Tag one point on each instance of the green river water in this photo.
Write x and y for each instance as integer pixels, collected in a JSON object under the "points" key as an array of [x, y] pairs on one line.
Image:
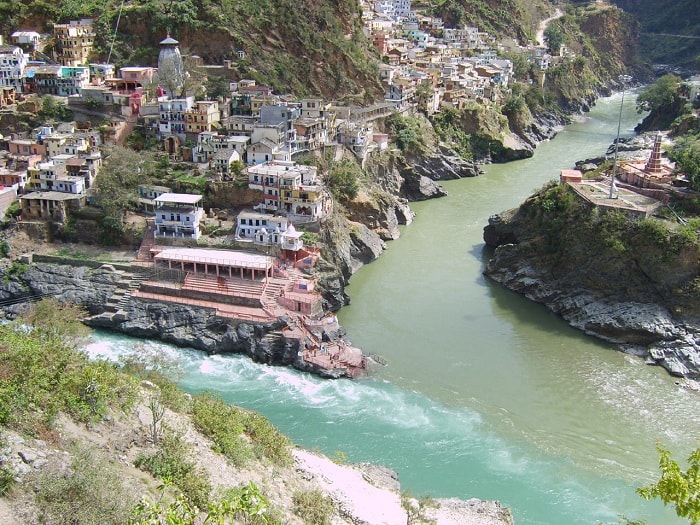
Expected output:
{"points": [[485, 394]]}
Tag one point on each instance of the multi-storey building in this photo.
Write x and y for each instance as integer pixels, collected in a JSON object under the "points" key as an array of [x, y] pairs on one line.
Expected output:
{"points": [[203, 116], [240, 125], [291, 189], [53, 176], [172, 116], [73, 42], [178, 215], [282, 114], [311, 133], [57, 80], [13, 62], [50, 205]]}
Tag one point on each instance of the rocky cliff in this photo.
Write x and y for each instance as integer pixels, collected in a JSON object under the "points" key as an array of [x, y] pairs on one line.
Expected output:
{"points": [[95, 285], [630, 282]]}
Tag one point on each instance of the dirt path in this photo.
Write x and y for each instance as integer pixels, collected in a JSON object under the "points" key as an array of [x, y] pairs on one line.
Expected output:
{"points": [[539, 37]]}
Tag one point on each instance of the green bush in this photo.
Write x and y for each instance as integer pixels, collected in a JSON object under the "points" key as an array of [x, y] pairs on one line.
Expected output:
{"points": [[238, 505], [342, 180], [16, 269], [172, 463], [89, 492], [310, 238], [7, 480], [267, 440], [407, 133], [313, 507], [41, 372], [147, 364], [227, 425], [224, 425]]}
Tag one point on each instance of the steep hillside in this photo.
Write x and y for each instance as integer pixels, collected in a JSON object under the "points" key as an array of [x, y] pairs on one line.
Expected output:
{"points": [[308, 48], [670, 30], [517, 19]]}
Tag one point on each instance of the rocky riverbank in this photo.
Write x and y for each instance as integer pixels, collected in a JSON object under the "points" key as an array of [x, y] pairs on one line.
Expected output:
{"points": [[95, 286], [629, 282], [365, 494]]}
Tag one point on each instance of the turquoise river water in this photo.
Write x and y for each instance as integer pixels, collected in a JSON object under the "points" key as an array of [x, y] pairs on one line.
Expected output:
{"points": [[485, 394]]}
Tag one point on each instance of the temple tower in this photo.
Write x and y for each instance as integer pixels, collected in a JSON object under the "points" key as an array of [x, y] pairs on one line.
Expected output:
{"points": [[171, 71], [653, 165]]}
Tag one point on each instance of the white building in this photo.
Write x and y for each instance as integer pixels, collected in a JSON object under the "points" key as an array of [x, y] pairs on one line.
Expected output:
{"points": [[268, 230], [13, 61], [172, 116], [29, 39], [178, 215], [402, 8], [52, 176]]}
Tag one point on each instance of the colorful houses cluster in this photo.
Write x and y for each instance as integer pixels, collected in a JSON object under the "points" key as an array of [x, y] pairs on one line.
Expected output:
{"points": [[252, 133], [52, 170], [458, 64]]}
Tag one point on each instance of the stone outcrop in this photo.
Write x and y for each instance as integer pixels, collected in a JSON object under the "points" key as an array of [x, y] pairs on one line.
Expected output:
{"points": [[182, 325], [543, 127], [626, 295], [441, 164]]}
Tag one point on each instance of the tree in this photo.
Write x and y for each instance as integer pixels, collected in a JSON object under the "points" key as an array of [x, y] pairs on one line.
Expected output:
{"points": [[417, 510], [117, 183], [686, 154], [682, 489], [554, 37], [407, 133], [217, 87], [660, 95], [52, 109], [424, 93], [342, 180]]}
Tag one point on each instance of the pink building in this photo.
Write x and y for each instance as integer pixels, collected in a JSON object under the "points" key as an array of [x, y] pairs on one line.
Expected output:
{"points": [[26, 147]]}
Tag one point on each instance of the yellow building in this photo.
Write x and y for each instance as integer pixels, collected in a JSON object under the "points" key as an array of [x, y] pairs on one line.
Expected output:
{"points": [[74, 42], [204, 116]]}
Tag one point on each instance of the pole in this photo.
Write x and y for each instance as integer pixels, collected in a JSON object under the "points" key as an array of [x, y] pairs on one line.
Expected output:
{"points": [[109, 57], [623, 79], [617, 145]]}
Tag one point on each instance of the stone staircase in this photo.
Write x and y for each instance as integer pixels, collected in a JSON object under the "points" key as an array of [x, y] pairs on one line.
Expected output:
{"points": [[116, 304], [224, 285], [149, 238], [275, 287], [134, 284]]}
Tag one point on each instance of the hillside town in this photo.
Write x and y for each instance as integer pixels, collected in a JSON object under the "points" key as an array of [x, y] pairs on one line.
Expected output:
{"points": [[248, 136], [51, 170]]}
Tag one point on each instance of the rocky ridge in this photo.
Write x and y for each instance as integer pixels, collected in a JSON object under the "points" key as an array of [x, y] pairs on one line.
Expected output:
{"points": [[95, 288], [603, 276], [647, 330]]}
